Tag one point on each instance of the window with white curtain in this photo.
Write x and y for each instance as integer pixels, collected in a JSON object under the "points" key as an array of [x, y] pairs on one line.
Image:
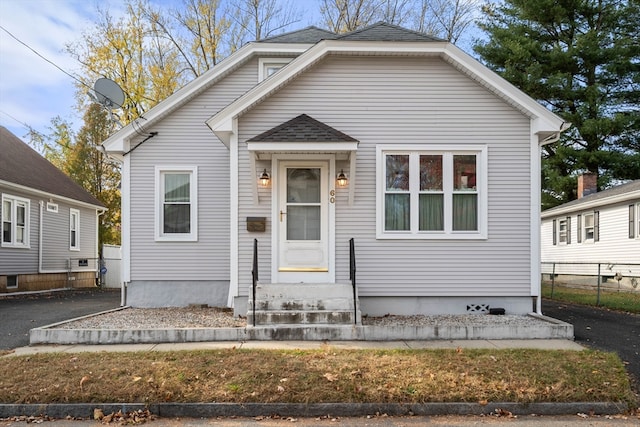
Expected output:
{"points": [[15, 221], [176, 195], [432, 193]]}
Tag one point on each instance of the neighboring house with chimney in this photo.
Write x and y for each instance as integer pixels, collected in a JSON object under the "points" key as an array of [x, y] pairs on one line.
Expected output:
{"points": [[49, 235], [596, 228], [424, 157]]}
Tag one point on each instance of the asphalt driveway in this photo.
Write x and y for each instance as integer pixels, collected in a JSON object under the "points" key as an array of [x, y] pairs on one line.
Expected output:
{"points": [[20, 313], [602, 329]]}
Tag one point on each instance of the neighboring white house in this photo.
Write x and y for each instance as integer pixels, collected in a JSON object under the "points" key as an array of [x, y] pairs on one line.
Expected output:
{"points": [[439, 155], [49, 236], [598, 227]]}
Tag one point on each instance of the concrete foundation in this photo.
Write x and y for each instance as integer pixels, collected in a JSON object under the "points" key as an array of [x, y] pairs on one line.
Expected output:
{"points": [[152, 294]]}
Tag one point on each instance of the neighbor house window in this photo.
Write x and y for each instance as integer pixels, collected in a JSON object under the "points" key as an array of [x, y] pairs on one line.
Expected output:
{"points": [[430, 193], [74, 229], [15, 221], [588, 227], [269, 66], [634, 221], [562, 231], [176, 214]]}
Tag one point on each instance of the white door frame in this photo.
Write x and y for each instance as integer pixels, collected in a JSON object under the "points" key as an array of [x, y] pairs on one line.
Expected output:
{"points": [[302, 276]]}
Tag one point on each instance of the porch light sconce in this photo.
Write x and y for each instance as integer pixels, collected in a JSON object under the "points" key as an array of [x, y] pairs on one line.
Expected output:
{"points": [[342, 179], [264, 179]]}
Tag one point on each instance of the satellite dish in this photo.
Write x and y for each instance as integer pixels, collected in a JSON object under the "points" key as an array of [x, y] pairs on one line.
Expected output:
{"points": [[108, 93]]}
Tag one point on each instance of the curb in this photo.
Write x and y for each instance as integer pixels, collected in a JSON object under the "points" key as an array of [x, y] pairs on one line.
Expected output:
{"points": [[209, 410]]}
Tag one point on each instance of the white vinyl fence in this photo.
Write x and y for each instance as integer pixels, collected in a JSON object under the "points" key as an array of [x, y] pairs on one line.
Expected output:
{"points": [[112, 256]]}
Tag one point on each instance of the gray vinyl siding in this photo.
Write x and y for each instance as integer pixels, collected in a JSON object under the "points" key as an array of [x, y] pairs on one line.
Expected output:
{"points": [[381, 100], [55, 239], [184, 140], [21, 260], [56, 255]]}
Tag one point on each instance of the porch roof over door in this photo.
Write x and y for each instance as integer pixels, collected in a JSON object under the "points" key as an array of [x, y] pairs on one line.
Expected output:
{"points": [[302, 134]]}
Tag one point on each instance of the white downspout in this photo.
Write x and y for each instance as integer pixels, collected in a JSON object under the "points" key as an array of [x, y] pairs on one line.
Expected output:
{"points": [[40, 221]]}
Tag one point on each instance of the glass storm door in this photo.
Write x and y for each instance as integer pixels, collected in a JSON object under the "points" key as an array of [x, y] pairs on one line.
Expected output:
{"points": [[303, 221]]}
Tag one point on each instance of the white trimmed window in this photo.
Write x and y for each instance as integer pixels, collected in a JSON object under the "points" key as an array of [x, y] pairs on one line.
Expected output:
{"points": [[427, 192], [562, 231], [15, 221], [634, 221], [588, 227], [269, 66], [74, 229], [176, 203]]}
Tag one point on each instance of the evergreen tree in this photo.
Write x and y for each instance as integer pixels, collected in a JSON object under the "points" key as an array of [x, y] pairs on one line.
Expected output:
{"points": [[580, 58]]}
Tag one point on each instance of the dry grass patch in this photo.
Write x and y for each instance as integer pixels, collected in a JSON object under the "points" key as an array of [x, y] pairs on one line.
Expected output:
{"points": [[311, 376]]}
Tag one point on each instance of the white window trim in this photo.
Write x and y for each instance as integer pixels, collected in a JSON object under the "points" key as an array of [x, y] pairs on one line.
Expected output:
{"points": [[52, 207], [583, 227], [567, 231], [264, 63], [27, 222], [482, 172], [637, 221], [159, 211], [74, 213]]}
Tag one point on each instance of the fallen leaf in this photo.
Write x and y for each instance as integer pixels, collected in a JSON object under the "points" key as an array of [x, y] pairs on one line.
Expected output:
{"points": [[98, 414], [284, 380], [330, 377], [136, 379], [84, 380], [280, 389]]}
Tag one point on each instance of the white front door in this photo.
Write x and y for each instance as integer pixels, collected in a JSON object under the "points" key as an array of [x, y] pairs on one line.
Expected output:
{"points": [[303, 225]]}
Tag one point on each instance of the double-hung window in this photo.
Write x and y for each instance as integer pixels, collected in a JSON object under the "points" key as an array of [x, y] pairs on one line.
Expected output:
{"points": [[176, 196], [432, 193], [15, 221], [74, 229], [634, 221], [588, 227], [562, 231]]}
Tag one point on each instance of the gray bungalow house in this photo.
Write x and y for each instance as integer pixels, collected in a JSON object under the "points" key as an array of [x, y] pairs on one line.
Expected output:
{"points": [[302, 142], [49, 223]]}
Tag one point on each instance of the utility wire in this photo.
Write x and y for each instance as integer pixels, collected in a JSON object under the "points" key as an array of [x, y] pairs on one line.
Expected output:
{"points": [[49, 61]]}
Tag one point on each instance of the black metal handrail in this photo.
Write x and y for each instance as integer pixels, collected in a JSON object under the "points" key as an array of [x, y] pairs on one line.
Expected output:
{"points": [[352, 277], [254, 278]]}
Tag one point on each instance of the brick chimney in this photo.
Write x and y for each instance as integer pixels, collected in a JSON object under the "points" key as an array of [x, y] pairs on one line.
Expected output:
{"points": [[587, 184]]}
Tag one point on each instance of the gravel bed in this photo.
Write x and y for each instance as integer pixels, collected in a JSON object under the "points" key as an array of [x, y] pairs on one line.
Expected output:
{"points": [[196, 317]]}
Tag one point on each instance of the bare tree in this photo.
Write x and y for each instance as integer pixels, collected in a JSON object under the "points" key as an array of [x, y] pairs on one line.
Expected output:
{"points": [[260, 19], [343, 16], [447, 19]]}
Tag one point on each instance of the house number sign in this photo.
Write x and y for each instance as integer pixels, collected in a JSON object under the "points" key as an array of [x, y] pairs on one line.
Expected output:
{"points": [[332, 193]]}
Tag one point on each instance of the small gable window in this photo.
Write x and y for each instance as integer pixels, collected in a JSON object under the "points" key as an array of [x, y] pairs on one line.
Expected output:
{"points": [[269, 66]]}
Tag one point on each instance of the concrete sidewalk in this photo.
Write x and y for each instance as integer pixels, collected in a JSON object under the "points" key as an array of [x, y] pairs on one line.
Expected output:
{"points": [[550, 344]]}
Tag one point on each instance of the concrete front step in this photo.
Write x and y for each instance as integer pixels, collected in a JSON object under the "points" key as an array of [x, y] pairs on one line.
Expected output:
{"points": [[306, 317], [289, 304], [296, 291], [294, 304]]}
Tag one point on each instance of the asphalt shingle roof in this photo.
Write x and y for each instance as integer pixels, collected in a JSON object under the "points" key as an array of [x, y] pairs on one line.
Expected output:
{"points": [[22, 165], [604, 194], [302, 129], [306, 35], [380, 31]]}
